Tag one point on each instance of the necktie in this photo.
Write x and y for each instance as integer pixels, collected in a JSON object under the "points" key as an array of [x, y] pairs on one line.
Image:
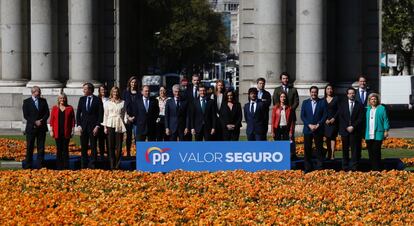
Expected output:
{"points": [[252, 107], [362, 96], [285, 89], [351, 108], [195, 92], [37, 103], [177, 103], [88, 104], [203, 105], [313, 106], [146, 104]]}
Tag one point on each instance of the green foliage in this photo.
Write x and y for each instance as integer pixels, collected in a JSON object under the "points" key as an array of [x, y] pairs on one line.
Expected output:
{"points": [[190, 33], [398, 27]]}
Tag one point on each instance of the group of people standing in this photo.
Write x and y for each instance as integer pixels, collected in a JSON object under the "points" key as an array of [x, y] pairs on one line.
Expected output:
{"points": [[191, 111]]}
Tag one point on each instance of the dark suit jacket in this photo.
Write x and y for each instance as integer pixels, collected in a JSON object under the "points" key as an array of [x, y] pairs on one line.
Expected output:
{"points": [[256, 123], [345, 119], [198, 118], [177, 117], [233, 117], [308, 117], [189, 96], [358, 96], [145, 121], [266, 98], [88, 120], [292, 98], [31, 114]]}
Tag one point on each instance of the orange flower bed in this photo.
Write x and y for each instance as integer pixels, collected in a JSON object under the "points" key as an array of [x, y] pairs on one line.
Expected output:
{"points": [[92, 197], [11, 149]]}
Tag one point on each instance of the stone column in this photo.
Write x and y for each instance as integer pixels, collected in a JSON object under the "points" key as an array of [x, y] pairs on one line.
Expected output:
{"points": [[310, 44], [13, 43], [349, 42], [44, 44], [81, 43], [262, 49]]}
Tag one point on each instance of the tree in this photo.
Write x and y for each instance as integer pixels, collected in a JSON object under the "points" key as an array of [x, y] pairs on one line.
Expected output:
{"points": [[189, 34], [398, 29]]}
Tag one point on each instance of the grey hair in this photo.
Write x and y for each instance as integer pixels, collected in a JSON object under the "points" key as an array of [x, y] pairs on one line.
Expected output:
{"points": [[176, 86], [34, 88], [374, 95]]}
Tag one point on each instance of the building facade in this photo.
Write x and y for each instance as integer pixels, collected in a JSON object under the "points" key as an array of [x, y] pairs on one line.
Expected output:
{"points": [[316, 41], [60, 44]]}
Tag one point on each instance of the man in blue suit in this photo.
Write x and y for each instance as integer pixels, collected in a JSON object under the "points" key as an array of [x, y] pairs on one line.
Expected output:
{"points": [[313, 115], [255, 114], [177, 121]]}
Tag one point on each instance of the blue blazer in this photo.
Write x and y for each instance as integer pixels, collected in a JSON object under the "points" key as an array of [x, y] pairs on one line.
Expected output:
{"points": [[308, 117], [257, 122], [177, 117]]}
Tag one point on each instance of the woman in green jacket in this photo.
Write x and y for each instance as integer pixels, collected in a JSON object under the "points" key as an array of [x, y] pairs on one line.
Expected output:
{"points": [[377, 126]]}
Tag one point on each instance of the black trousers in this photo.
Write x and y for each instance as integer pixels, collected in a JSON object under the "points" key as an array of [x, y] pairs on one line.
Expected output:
{"points": [[102, 143], [231, 135], [62, 154], [144, 137], [178, 135], [281, 133], [161, 136], [318, 140], [39, 137], [203, 134], [256, 137], [128, 142], [114, 147], [374, 152], [351, 141], [88, 139]]}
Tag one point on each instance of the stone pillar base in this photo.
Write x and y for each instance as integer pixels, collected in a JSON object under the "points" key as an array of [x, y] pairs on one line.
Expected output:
{"points": [[304, 86], [45, 84], [13, 83], [79, 84]]}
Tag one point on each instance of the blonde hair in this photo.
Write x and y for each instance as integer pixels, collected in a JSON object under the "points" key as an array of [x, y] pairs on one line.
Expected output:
{"points": [[376, 95], [112, 91], [64, 96]]}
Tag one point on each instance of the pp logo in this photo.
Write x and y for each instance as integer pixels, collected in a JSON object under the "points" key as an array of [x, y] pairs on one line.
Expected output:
{"points": [[158, 155]]}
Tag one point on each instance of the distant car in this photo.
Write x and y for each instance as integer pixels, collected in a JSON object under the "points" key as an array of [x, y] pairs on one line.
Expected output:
{"points": [[156, 81]]}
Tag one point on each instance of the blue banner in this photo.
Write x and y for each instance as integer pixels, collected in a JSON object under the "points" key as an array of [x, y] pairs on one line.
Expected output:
{"points": [[213, 156]]}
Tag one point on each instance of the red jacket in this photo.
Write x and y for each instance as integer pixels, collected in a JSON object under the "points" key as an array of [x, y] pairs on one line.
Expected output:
{"points": [[69, 121], [290, 118]]}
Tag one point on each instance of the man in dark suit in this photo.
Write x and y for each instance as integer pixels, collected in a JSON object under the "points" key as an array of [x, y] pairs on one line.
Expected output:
{"points": [[89, 117], [264, 96], [362, 93], [192, 89], [36, 113], [143, 113], [313, 115], [177, 122], [293, 96], [351, 114], [255, 115], [190, 94], [292, 100], [202, 117]]}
